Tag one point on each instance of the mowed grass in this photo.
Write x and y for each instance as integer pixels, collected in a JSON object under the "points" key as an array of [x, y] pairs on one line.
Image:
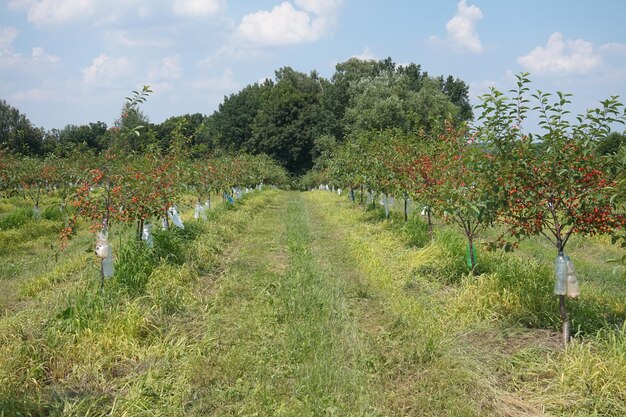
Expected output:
{"points": [[130, 349], [303, 304], [506, 318], [30, 251], [284, 341]]}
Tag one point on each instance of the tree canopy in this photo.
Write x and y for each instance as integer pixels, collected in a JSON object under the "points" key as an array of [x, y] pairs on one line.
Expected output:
{"points": [[284, 118]]}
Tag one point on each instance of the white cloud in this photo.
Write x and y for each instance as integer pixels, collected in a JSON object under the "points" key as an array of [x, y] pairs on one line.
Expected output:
{"points": [[224, 82], [8, 58], [11, 59], [366, 55], [7, 35], [197, 8], [169, 68], [101, 12], [104, 69], [561, 57], [54, 12], [613, 48], [285, 25], [40, 56], [319, 7], [122, 38], [461, 29]]}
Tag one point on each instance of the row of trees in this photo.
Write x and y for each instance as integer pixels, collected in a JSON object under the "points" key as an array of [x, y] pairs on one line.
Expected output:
{"points": [[554, 184], [131, 187], [19, 136], [284, 118], [129, 191], [293, 118], [138, 180]]}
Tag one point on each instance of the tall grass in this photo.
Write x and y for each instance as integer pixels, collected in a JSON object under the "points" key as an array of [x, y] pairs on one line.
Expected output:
{"points": [[501, 324], [127, 349]]}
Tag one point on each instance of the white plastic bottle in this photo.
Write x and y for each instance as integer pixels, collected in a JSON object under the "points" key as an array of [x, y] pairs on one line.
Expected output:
{"points": [[146, 235], [560, 275], [572, 280]]}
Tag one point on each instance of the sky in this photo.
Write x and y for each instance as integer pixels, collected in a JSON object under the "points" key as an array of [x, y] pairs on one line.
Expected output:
{"points": [[74, 61]]}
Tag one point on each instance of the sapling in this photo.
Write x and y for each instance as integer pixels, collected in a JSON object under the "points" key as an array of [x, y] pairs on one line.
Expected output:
{"points": [[551, 183]]}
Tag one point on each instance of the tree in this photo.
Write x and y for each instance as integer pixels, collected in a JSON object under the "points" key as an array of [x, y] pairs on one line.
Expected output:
{"points": [[404, 98], [230, 127], [551, 183], [458, 93], [611, 144], [131, 124], [465, 191], [188, 125], [17, 134], [289, 120], [87, 136]]}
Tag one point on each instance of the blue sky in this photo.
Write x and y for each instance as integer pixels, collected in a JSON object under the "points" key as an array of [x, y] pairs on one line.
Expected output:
{"points": [[73, 61]]}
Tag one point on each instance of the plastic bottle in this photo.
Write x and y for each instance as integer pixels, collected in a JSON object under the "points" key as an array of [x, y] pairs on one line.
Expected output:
{"points": [[107, 266], [572, 280], [386, 205], [103, 249], [173, 213], [560, 275], [199, 213], [146, 235]]}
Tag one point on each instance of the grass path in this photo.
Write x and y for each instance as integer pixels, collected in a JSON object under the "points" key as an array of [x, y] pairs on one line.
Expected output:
{"points": [[314, 317], [284, 336]]}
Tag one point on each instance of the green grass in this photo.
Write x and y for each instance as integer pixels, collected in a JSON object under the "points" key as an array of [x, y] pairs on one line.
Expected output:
{"points": [[29, 250], [126, 350], [303, 304], [509, 316], [282, 335]]}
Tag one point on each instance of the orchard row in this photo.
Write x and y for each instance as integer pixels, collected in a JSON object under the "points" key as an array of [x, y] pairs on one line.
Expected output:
{"points": [[126, 190], [553, 183]]}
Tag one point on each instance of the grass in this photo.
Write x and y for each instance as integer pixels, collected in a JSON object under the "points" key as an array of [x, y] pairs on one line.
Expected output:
{"points": [[29, 249], [303, 304], [125, 350], [283, 335], [508, 313]]}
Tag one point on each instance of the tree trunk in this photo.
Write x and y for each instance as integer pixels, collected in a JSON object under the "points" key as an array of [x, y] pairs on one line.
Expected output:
{"points": [[386, 201], [361, 194], [406, 210], [101, 275], [430, 223], [565, 330]]}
